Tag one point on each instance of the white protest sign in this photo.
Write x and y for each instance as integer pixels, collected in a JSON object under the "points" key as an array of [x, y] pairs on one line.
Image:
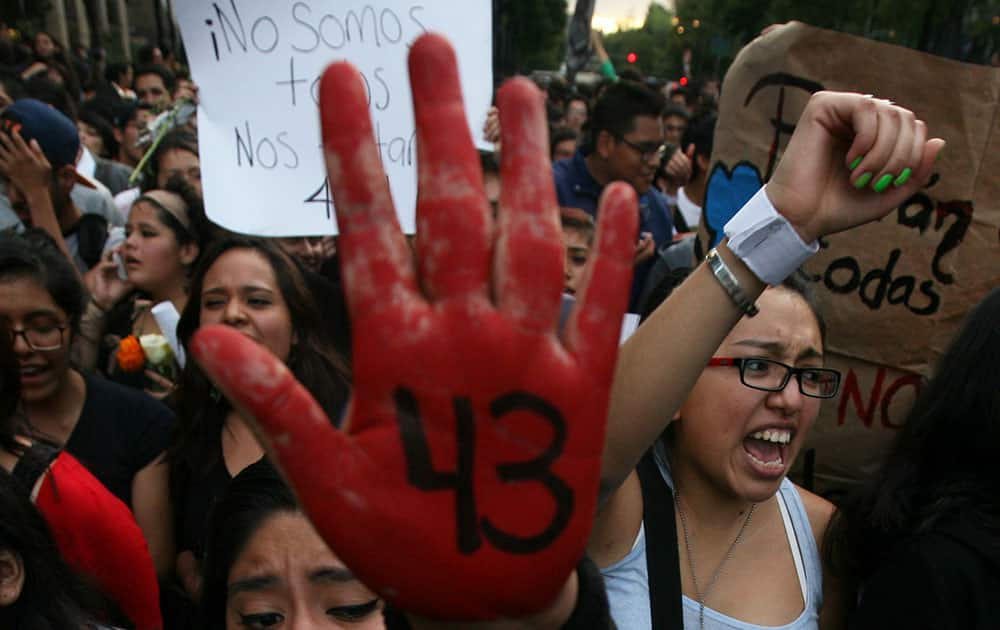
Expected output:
{"points": [[257, 64]]}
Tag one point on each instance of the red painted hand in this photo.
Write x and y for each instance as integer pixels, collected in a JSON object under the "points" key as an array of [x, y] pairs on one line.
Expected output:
{"points": [[464, 482]]}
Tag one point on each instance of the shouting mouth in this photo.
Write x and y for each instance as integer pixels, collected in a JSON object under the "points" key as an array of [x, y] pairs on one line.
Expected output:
{"points": [[768, 449]]}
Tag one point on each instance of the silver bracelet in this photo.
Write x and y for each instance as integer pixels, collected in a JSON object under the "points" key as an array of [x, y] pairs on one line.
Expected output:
{"points": [[729, 283]]}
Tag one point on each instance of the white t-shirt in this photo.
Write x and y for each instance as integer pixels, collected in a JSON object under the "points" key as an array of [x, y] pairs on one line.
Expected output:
{"points": [[688, 209]]}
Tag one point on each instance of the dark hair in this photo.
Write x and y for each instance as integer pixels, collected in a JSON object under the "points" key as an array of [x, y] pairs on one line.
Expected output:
{"points": [[10, 390], [201, 410], [489, 162], [13, 85], [179, 139], [577, 219], [125, 111], [169, 81], [56, 43], [254, 495], [561, 134], [673, 109], [114, 71], [89, 116], [44, 89], [700, 133], [554, 114], [33, 255], [618, 106], [942, 463], [70, 81], [199, 231], [144, 55], [798, 283], [52, 595], [632, 73], [557, 91], [688, 92]]}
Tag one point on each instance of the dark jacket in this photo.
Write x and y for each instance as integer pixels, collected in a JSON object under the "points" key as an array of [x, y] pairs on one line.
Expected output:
{"points": [[577, 188]]}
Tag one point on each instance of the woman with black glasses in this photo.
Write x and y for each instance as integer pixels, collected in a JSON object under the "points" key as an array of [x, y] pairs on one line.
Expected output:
{"points": [[117, 433], [740, 541]]}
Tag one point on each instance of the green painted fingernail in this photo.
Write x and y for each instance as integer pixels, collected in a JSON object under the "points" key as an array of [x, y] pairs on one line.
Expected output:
{"points": [[862, 181], [903, 177], [883, 182], [856, 162]]}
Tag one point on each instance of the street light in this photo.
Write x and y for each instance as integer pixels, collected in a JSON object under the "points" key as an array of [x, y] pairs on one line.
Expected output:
{"points": [[696, 23], [680, 30]]}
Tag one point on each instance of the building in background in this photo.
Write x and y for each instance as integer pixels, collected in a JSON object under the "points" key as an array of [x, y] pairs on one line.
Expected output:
{"points": [[117, 26]]}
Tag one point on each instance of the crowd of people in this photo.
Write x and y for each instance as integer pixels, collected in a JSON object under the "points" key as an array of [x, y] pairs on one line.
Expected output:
{"points": [[157, 471]]}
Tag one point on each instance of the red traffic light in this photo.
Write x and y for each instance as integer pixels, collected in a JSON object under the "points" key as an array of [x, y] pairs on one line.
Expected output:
{"points": [[631, 57], [683, 81]]}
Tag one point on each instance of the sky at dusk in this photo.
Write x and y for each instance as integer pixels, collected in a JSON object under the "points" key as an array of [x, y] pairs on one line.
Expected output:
{"points": [[609, 15]]}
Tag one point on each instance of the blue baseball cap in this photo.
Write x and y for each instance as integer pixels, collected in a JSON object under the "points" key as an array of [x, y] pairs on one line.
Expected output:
{"points": [[55, 133]]}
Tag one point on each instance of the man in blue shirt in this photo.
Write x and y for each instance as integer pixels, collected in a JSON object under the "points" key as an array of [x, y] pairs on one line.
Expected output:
{"points": [[624, 143]]}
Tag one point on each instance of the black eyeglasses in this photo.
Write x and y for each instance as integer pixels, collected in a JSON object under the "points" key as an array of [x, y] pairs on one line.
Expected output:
{"points": [[647, 151], [773, 376], [40, 336]]}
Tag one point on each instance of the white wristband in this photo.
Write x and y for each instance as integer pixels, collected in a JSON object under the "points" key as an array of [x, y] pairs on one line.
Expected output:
{"points": [[766, 241]]}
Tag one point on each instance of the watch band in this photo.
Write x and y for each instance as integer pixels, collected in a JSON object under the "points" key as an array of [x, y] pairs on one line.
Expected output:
{"points": [[729, 283]]}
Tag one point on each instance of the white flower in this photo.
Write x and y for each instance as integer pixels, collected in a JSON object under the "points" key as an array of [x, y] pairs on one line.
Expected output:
{"points": [[156, 349]]}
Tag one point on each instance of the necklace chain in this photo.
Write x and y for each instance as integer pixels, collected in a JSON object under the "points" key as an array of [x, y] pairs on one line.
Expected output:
{"points": [[703, 595]]}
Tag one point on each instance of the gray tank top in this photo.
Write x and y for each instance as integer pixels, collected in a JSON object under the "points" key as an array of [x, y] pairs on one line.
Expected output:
{"points": [[627, 581]]}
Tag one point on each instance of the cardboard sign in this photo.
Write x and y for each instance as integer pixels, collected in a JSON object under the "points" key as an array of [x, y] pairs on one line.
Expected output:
{"points": [[257, 64], [893, 292]]}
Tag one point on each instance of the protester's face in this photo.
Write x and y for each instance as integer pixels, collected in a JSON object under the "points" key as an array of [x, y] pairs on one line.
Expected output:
{"points": [[44, 46], [563, 150], [155, 261], [241, 290], [577, 251], [287, 578], [149, 88], [130, 137], [181, 163], [91, 138], [627, 163], [576, 114], [716, 422], [28, 305], [308, 250], [673, 129]]}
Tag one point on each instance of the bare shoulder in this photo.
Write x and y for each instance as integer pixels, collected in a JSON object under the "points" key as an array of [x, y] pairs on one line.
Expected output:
{"points": [[819, 511]]}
